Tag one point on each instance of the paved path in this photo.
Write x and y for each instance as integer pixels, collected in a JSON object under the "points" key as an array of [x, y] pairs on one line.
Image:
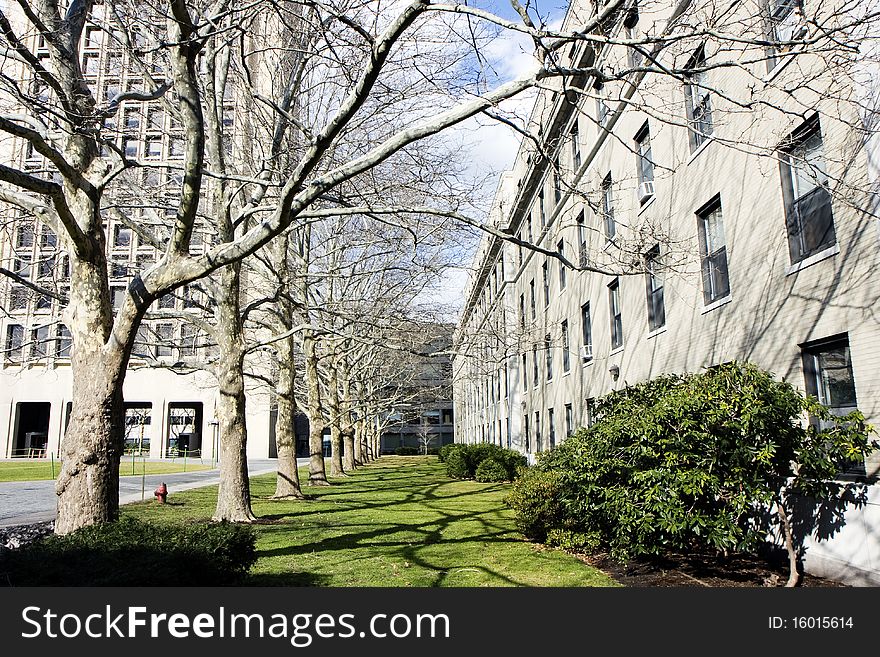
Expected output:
{"points": [[25, 502]]}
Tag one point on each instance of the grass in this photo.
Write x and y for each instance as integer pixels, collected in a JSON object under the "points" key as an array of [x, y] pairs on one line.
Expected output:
{"points": [[397, 522], [33, 470]]}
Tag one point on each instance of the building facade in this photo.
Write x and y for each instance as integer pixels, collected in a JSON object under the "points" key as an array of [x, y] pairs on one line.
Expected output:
{"points": [[702, 229]]}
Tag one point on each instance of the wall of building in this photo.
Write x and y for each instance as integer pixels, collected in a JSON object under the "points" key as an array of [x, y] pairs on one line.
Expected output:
{"points": [[773, 308]]}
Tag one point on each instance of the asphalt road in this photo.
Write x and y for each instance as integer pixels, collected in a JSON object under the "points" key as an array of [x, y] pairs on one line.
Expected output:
{"points": [[25, 502]]}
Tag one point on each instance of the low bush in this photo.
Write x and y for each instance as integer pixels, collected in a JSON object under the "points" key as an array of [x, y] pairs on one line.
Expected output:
{"points": [[491, 471], [406, 451], [135, 553], [447, 449], [433, 451], [536, 498], [463, 460]]}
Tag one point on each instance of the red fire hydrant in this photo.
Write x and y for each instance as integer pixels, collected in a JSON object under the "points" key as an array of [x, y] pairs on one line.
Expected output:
{"points": [[161, 493]]}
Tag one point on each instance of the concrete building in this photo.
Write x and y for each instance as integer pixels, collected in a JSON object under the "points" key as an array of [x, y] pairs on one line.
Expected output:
{"points": [[705, 230], [170, 403]]}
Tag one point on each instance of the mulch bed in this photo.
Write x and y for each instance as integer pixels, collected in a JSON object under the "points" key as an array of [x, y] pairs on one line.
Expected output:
{"points": [[702, 570]]}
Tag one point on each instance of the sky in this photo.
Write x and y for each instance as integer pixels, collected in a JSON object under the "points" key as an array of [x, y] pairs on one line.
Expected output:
{"points": [[493, 146]]}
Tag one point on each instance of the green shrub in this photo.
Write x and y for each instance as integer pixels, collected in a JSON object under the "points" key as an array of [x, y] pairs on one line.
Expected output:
{"points": [[697, 460], [433, 451], [135, 553], [406, 451], [457, 465], [491, 471], [536, 499], [447, 449], [469, 457]]}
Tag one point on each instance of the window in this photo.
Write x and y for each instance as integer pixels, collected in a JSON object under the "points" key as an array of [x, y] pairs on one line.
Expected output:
{"points": [[560, 249], [829, 376], [545, 273], [532, 298], [118, 269], [548, 355], [786, 24], [634, 55], [155, 119], [92, 37], [153, 148], [645, 165], [188, 340], [538, 445], [587, 333], [575, 146], [697, 103], [569, 421], [519, 250], [522, 311], [713, 252], [536, 375], [566, 359], [121, 236], [117, 293], [130, 146], [131, 118], [24, 236], [557, 181], [602, 110], [176, 148], [529, 227], [39, 342], [583, 255], [18, 297], [589, 411], [616, 319], [48, 238], [608, 208], [14, 341], [21, 265], [528, 445], [165, 336], [46, 268], [551, 428], [43, 302], [91, 65], [654, 289], [523, 372], [63, 342], [541, 214], [807, 201]]}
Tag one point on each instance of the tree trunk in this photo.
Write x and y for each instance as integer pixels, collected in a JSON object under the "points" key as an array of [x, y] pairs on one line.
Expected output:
{"points": [[793, 575], [358, 447], [336, 469], [287, 480], [348, 456], [317, 473], [234, 495], [88, 484]]}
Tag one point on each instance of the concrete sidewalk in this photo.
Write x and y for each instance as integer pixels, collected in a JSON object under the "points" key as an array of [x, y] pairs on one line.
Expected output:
{"points": [[26, 502]]}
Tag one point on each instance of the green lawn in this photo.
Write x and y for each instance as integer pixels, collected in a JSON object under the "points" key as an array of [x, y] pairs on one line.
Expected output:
{"points": [[32, 470], [397, 522]]}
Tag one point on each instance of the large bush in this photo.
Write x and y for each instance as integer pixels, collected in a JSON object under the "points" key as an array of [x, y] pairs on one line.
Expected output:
{"points": [[712, 459], [135, 553], [406, 450], [537, 500]]}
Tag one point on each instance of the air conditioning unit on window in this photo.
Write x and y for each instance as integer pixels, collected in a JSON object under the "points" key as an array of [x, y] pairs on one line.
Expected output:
{"points": [[646, 190], [586, 351]]}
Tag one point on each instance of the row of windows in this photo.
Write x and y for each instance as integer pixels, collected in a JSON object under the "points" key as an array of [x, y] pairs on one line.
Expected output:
{"points": [[161, 340]]}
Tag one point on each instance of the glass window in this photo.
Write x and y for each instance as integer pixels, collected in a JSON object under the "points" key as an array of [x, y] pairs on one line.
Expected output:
{"points": [[536, 374], [654, 286], [545, 272], [548, 354], [560, 249], [121, 236], [608, 208], [645, 165], [63, 342], [532, 297], [616, 318], [583, 255], [14, 341], [587, 333], [698, 106], [713, 252], [566, 358], [807, 201], [551, 428], [569, 421]]}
